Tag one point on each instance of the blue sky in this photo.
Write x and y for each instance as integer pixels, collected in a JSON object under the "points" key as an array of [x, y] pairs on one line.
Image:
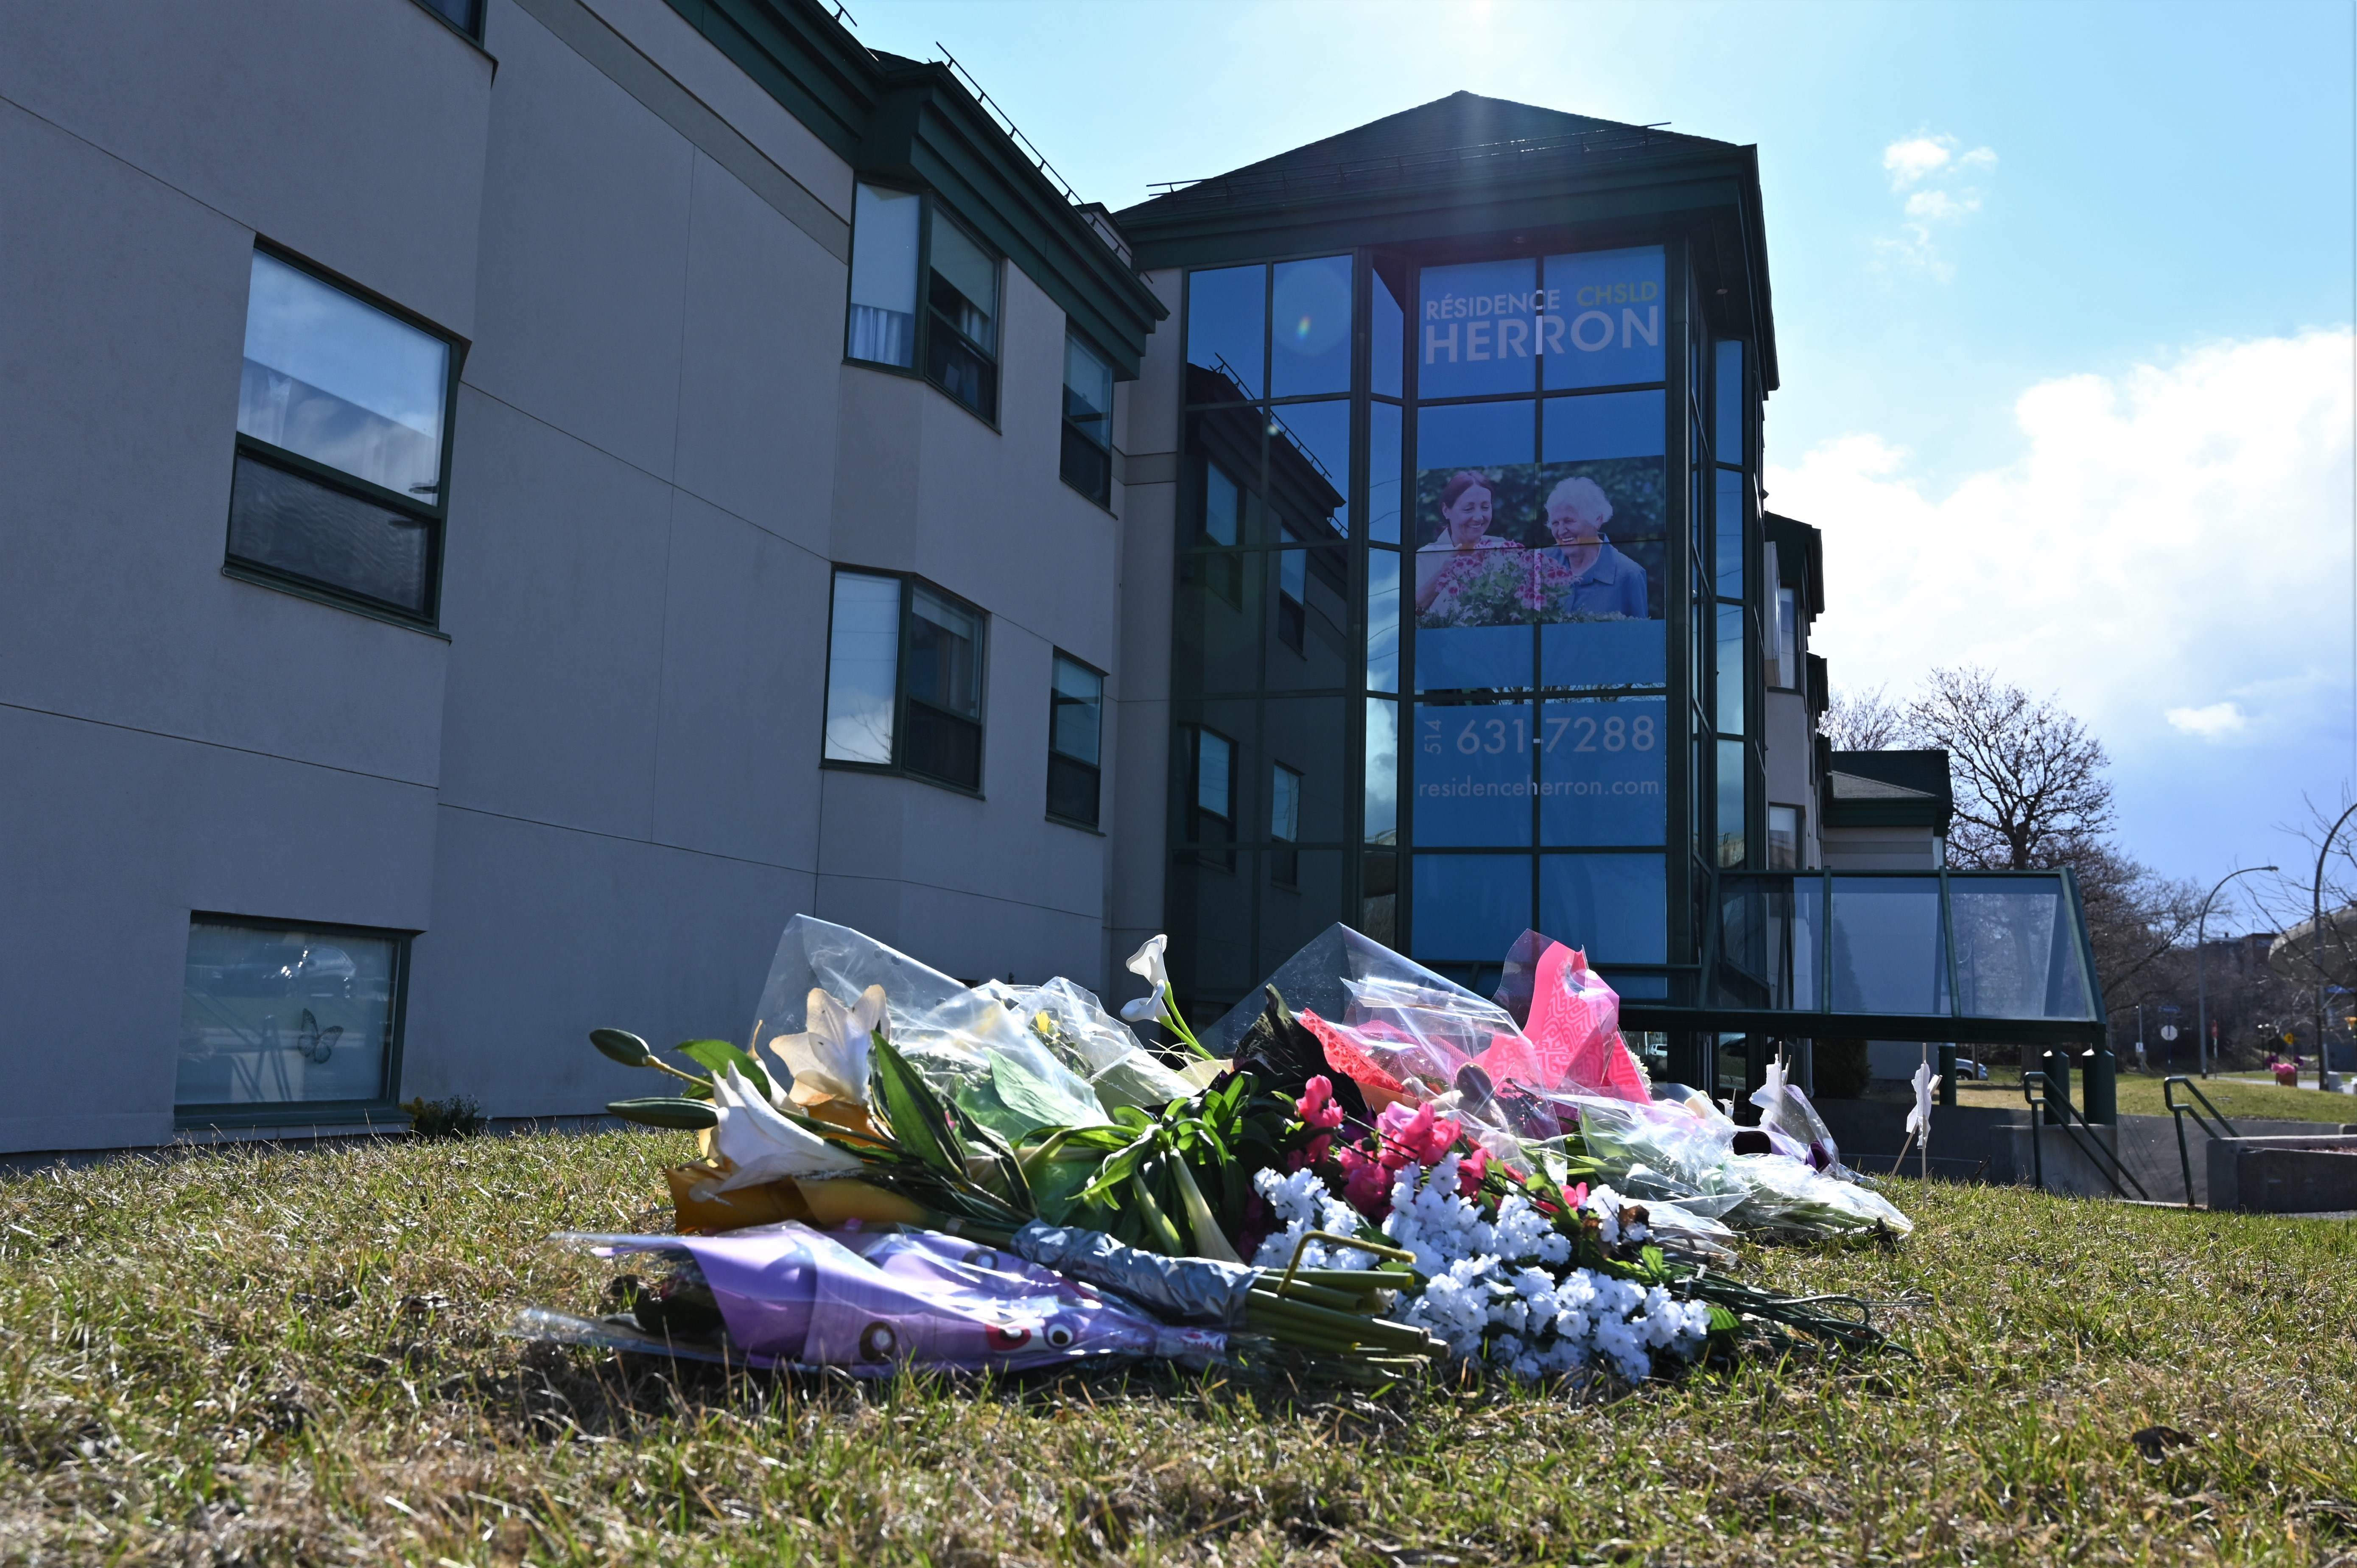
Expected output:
{"points": [[2062, 292]]}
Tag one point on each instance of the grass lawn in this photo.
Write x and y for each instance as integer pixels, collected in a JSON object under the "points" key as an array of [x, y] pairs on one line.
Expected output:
{"points": [[296, 1357], [2140, 1095]]}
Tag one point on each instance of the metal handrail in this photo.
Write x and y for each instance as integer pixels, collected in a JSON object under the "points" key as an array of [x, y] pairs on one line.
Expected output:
{"points": [[2106, 1162], [2168, 1097]]}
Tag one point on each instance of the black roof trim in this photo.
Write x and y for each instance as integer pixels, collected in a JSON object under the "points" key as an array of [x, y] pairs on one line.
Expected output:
{"points": [[915, 121]]}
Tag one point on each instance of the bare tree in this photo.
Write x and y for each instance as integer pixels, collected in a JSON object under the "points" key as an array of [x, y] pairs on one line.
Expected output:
{"points": [[2028, 777], [1863, 721]]}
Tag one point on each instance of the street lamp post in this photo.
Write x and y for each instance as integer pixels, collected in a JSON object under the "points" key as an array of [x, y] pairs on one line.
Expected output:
{"points": [[2201, 976], [2316, 925]]}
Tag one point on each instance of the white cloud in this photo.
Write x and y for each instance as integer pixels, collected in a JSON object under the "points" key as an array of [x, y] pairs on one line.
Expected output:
{"points": [[1932, 162], [2171, 551], [1909, 161], [2216, 721]]}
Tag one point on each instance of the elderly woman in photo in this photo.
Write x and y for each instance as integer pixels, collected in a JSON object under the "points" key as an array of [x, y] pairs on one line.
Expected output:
{"points": [[1444, 566], [1597, 579]]}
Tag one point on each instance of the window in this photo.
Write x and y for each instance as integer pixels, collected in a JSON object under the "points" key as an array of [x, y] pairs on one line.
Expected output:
{"points": [[343, 423], [273, 1014], [962, 342], [1787, 671], [1075, 741], [1088, 422], [1211, 809], [1285, 825], [904, 680], [1784, 838], [898, 236], [883, 328]]}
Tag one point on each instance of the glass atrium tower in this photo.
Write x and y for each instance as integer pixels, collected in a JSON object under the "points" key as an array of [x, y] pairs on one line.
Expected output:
{"points": [[1467, 513]]}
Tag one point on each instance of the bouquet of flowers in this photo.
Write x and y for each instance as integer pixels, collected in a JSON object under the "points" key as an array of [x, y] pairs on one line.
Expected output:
{"points": [[969, 1174]]}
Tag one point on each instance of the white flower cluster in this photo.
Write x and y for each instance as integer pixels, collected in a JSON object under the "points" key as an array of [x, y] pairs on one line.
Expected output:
{"points": [[1304, 1203], [1497, 1291]]}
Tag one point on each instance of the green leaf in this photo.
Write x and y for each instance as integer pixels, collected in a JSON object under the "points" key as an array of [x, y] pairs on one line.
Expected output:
{"points": [[1034, 1097], [622, 1047], [719, 1055], [913, 1112], [671, 1111]]}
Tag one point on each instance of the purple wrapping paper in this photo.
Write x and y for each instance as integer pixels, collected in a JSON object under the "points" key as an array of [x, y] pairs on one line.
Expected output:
{"points": [[874, 1301]]}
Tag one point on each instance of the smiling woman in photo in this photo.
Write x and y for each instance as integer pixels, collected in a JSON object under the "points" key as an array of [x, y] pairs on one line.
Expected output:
{"points": [[1451, 559], [1595, 579]]}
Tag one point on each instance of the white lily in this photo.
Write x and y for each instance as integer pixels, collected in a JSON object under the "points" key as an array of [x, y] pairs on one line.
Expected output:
{"points": [[762, 1145], [1147, 964], [829, 1059], [1157, 1006]]}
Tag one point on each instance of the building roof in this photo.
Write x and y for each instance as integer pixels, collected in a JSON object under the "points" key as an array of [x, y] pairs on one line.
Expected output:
{"points": [[1463, 170], [1434, 142], [1888, 789]]}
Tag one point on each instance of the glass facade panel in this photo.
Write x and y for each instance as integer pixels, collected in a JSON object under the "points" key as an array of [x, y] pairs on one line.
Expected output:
{"points": [[1227, 324], [2017, 948], [341, 382], [1605, 425], [1730, 660], [1729, 548], [1473, 578], [1770, 937], [1301, 894], [1388, 326], [1384, 455], [1306, 738], [1604, 772], [862, 668], [1477, 329], [1784, 838], [1469, 908], [1728, 444], [1617, 653], [1615, 906], [1605, 315], [1309, 321], [1381, 823], [1379, 899], [1888, 955], [883, 324], [1221, 608], [1734, 787], [280, 1015], [1310, 468], [1383, 619], [1474, 774]]}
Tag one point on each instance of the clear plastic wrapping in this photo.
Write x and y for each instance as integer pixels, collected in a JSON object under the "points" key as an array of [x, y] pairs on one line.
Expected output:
{"points": [[1015, 1057]]}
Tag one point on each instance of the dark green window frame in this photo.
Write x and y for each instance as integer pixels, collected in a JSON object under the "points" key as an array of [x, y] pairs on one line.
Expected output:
{"points": [[936, 339], [435, 516], [904, 702], [320, 1112]]}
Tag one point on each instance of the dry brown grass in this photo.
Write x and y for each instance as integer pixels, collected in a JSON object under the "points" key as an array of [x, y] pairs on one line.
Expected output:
{"points": [[295, 1357]]}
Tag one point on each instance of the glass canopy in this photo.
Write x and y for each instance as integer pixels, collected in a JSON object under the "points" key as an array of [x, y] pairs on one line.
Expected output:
{"points": [[1995, 956]]}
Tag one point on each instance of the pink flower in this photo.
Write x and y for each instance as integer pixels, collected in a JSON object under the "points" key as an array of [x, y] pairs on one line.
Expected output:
{"points": [[1366, 1183], [1419, 1136], [1470, 1170], [1313, 1153], [1317, 1106]]}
